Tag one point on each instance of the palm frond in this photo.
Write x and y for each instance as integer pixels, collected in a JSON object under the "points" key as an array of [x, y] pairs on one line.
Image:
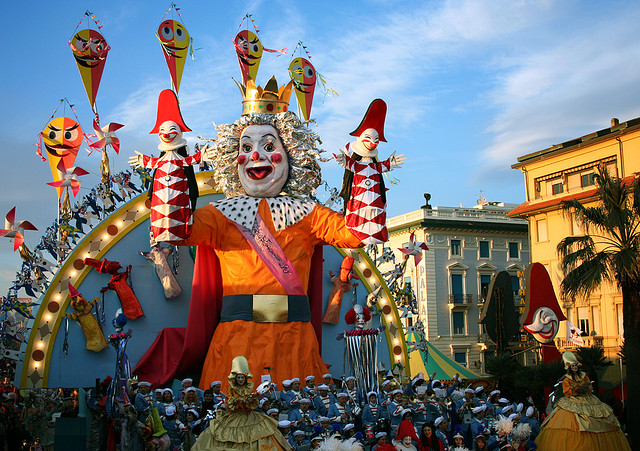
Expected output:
{"points": [[572, 244], [586, 277]]}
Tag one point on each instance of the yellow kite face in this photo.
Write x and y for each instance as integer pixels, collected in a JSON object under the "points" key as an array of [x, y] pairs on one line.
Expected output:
{"points": [[90, 52], [174, 38], [89, 48], [175, 41], [62, 138], [249, 50], [304, 78]]}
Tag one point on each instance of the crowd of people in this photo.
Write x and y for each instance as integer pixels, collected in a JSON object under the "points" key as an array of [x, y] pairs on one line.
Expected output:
{"points": [[426, 414]]}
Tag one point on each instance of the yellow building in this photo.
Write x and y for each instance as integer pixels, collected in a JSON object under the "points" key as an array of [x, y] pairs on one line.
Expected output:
{"points": [[562, 172]]}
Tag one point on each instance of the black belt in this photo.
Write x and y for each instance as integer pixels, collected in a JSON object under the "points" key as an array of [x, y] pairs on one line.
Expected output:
{"points": [[265, 308]]}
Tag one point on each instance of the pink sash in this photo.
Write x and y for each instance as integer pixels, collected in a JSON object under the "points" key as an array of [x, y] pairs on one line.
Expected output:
{"points": [[264, 243]]}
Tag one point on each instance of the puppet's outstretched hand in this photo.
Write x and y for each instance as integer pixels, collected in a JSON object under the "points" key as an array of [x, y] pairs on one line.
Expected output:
{"points": [[341, 158], [397, 160], [207, 153], [135, 161]]}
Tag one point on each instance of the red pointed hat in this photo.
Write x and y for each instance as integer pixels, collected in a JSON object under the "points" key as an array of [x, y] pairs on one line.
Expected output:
{"points": [[405, 429], [72, 291], [539, 293], [373, 118], [169, 110]]}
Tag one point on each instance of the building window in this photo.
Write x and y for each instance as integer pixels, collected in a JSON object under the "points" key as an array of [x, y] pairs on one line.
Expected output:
{"points": [[557, 188], [457, 291], [515, 285], [484, 249], [541, 229], [458, 323], [455, 248], [460, 358], [514, 251], [485, 280], [583, 317], [588, 179]]}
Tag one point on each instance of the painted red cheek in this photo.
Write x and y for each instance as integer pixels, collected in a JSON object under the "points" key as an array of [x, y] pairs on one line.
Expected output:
{"points": [[276, 158], [255, 156], [242, 158]]}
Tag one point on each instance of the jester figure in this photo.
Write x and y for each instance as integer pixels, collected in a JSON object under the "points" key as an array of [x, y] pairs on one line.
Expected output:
{"points": [[174, 189], [363, 188]]}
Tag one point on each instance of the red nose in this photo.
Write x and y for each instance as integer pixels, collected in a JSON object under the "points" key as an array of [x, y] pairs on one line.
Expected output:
{"points": [[255, 156]]}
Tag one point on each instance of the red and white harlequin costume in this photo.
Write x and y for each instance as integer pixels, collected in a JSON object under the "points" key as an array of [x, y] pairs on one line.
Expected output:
{"points": [[363, 189], [171, 215], [365, 214], [174, 190]]}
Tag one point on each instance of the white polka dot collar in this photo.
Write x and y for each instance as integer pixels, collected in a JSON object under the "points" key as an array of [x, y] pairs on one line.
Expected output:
{"points": [[285, 210]]}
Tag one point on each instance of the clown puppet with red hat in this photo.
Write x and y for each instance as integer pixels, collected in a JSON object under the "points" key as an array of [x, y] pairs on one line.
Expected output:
{"points": [[542, 313], [363, 188], [174, 189]]}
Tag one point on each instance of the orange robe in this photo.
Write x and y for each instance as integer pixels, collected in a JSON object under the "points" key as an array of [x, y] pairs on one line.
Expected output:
{"points": [[290, 348]]}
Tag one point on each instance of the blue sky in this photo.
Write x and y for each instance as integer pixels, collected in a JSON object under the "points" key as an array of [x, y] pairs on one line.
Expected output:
{"points": [[470, 85]]}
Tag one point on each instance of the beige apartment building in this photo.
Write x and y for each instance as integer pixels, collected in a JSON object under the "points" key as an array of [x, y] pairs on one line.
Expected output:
{"points": [[562, 172], [467, 246]]}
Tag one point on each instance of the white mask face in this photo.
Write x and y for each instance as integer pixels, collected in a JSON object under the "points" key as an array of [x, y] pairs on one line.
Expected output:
{"points": [[367, 143], [360, 321], [170, 136], [544, 326], [263, 165]]}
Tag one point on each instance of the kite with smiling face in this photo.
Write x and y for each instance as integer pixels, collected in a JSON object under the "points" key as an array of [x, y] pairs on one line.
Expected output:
{"points": [[90, 51], [249, 50], [62, 138], [174, 39], [304, 78]]}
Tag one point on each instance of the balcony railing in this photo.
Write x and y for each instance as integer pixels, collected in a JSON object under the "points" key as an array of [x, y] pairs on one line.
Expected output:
{"points": [[563, 343], [460, 299]]}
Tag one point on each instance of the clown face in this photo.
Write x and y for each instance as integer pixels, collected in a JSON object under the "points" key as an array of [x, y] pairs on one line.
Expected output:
{"points": [[367, 144], [360, 321], [170, 136], [544, 326], [406, 441], [263, 166]]}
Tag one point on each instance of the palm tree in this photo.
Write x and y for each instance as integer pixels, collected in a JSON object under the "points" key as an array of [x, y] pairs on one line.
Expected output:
{"points": [[609, 252], [593, 361]]}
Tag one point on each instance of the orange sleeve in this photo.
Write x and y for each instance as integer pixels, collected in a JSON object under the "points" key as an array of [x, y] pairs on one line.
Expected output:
{"points": [[206, 229], [329, 227]]}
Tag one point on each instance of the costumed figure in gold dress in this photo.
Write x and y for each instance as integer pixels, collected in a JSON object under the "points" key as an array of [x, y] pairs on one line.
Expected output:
{"points": [[580, 421], [239, 427]]}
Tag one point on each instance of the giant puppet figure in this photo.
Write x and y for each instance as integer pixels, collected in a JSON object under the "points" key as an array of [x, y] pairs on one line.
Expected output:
{"points": [[174, 191], [255, 250], [363, 188]]}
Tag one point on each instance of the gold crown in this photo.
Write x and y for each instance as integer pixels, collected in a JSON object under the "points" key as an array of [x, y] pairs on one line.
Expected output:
{"points": [[269, 100]]}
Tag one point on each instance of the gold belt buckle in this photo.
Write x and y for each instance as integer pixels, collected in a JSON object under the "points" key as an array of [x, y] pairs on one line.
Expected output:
{"points": [[270, 308]]}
